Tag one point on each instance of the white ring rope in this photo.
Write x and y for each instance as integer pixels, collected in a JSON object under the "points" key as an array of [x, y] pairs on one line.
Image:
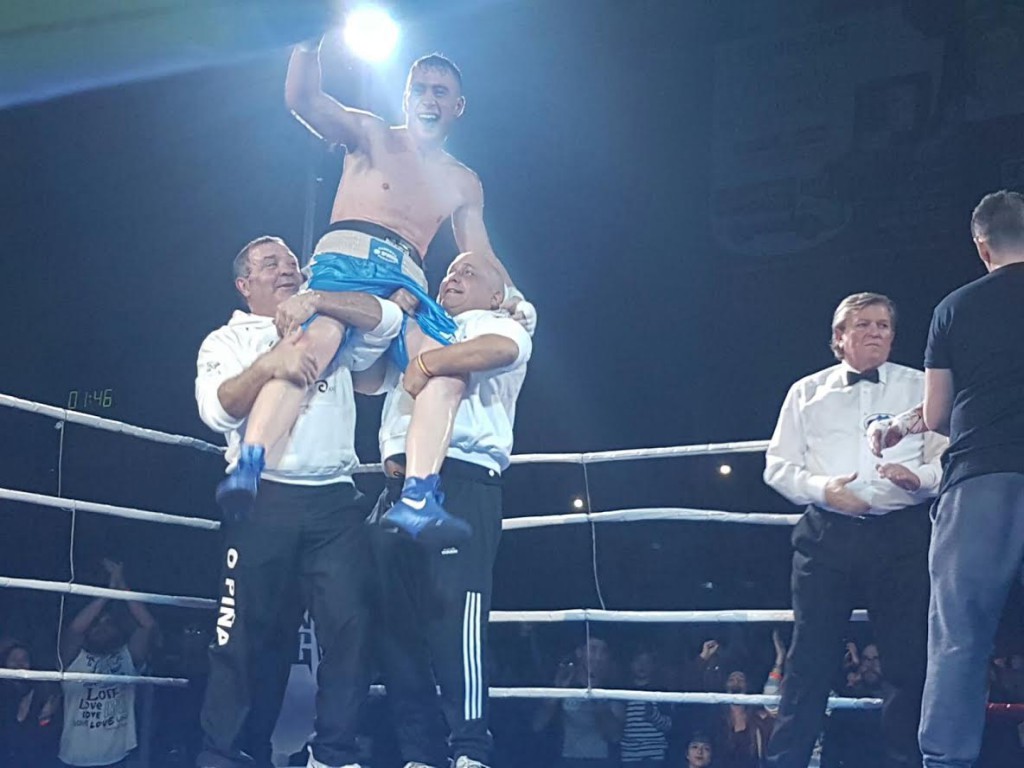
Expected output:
{"points": [[673, 697], [611, 694], [8, 582], [770, 616], [106, 509], [509, 524], [98, 422], [631, 454], [606, 694], [580, 614], [49, 676], [592, 457], [515, 523], [649, 513]]}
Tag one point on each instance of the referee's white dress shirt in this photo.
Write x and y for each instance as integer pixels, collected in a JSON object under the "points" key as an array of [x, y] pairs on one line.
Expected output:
{"points": [[821, 433]]}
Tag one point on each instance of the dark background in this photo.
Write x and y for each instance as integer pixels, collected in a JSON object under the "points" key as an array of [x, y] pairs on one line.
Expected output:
{"points": [[684, 189]]}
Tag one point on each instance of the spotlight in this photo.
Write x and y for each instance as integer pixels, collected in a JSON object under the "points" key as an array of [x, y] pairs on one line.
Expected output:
{"points": [[370, 33], [724, 470], [578, 503]]}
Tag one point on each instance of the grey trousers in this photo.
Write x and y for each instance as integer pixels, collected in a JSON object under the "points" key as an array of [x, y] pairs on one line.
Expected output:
{"points": [[977, 552]]}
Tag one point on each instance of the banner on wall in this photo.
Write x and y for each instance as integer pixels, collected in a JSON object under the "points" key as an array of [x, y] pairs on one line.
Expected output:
{"points": [[802, 109], [851, 127]]}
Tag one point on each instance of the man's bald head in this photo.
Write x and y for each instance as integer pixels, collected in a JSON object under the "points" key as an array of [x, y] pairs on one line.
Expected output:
{"points": [[472, 282], [484, 266]]}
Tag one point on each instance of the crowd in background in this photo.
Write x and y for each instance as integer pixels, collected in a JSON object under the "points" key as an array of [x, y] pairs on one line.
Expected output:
{"points": [[35, 718]]}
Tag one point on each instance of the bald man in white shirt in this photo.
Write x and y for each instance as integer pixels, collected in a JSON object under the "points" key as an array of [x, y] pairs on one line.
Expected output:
{"points": [[435, 603], [864, 536]]}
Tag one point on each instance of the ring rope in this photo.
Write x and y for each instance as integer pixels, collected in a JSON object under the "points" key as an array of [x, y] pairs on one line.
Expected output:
{"points": [[674, 697], [10, 582], [591, 457], [74, 505], [50, 676], [770, 616], [98, 422], [606, 694], [610, 694], [650, 513], [509, 524], [594, 560], [631, 454], [499, 617], [583, 614]]}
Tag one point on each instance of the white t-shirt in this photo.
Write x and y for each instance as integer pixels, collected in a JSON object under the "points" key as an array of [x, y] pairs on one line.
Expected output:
{"points": [[99, 718], [321, 447], [482, 433], [581, 735]]}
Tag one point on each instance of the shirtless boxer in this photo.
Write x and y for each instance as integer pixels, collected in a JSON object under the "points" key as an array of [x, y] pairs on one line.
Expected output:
{"points": [[397, 187]]}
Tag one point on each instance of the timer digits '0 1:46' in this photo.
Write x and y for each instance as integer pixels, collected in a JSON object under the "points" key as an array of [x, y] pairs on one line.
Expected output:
{"points": [[84, 399]]}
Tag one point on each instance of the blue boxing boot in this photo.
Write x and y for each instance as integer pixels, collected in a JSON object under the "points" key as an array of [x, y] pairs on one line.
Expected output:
{"points": [[420, 514], [236, 493]]}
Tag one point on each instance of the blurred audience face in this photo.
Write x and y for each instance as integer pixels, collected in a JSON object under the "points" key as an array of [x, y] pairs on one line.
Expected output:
{"points": [[104, 635], [594, 659], [736, 682], [698, 754], [17, 658], [870, 665], [642, 668]]}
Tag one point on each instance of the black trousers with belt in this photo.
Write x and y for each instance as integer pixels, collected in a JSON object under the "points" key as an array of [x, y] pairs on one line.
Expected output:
{"points": [[433, 614], [304, 547], [839, 559]]}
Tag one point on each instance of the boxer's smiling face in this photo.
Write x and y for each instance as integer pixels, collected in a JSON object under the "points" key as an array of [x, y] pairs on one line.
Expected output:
{"points": [[433, 102]]}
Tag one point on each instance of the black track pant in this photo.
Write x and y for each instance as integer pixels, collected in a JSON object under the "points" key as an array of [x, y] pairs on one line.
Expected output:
{"points": [[303, 547], [433, 611]]}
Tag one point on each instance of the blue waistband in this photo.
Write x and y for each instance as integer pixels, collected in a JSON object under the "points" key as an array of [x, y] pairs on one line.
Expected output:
{"points": [[337, 272]]}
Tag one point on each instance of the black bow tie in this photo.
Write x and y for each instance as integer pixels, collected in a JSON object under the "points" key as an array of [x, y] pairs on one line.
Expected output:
{"points": [[852, 377]]}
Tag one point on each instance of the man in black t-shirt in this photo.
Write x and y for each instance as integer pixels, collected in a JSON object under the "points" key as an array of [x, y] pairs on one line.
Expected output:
{"points": [[974, 392]]}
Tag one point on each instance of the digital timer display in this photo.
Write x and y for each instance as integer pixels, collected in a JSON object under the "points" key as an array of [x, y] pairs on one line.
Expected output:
{"points": [[90, 399]]}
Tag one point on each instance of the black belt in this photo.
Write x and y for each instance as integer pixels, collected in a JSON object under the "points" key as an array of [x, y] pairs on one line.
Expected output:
{"points": [[871, 519], [381, 233]]}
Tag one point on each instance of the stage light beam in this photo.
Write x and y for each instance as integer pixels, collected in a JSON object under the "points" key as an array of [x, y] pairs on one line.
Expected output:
{"points": [[371, 34]]}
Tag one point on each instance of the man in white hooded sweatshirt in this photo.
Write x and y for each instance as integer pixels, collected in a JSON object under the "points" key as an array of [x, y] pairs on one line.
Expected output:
{"points": [[305, 536]]}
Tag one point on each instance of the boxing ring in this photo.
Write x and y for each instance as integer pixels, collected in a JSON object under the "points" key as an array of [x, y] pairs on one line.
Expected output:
{"points": [[65, 417]]}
